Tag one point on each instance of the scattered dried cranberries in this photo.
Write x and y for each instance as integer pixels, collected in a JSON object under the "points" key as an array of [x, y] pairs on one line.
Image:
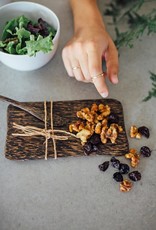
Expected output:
{"points": [[124, 169], [135, 175], [144, 131], [145, 151], [103, 167], [117, 176], [115, 162]]}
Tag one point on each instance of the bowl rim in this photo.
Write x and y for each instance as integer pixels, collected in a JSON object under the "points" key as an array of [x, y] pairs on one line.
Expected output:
{"points": [[40, 5]]}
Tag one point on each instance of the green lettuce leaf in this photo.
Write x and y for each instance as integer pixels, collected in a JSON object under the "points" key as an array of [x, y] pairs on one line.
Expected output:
{"points": [[20, 22], [2, 45], [40, 44], [17, 38], [10, 48]]}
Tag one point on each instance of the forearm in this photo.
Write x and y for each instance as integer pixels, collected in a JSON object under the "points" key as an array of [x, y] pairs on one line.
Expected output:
{"points": [[85, 12]]}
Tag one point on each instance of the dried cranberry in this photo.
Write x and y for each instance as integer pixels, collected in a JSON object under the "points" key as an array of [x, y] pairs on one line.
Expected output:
{"points": [[113, 118], [145, 151], [103, 167], [118, 177], [124, 168], [95, 139], [135, 175], [144, 131], [115, 162], [87, 148]]}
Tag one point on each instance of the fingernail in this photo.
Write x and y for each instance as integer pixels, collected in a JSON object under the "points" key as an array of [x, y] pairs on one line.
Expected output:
{"points": [[105, 94], [115, 79]]}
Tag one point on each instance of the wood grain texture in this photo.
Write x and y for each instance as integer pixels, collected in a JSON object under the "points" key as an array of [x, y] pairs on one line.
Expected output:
{"points": [[64, 113]]}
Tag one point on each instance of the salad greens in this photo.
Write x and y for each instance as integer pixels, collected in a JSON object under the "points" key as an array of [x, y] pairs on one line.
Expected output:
{"points": [[24, 36]]}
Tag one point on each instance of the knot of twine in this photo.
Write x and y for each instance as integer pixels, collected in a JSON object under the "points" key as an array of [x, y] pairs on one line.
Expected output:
{"points": [[28, 131]]}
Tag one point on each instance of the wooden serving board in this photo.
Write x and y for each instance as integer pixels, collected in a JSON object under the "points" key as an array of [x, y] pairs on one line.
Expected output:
{"points": [[64, 113]]}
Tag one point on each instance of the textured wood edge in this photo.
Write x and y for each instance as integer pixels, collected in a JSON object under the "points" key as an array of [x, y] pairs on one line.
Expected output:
{"points": [[90, 101]]}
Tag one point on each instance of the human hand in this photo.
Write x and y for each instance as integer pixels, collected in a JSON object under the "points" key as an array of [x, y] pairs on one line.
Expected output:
{"points": [[83, 54]]}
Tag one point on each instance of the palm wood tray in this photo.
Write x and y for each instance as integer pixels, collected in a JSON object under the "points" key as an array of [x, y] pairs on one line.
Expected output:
{"points": [[64, 113]]}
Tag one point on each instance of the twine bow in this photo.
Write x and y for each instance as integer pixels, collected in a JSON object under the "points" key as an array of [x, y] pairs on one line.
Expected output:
{"points": [[29, 131]]}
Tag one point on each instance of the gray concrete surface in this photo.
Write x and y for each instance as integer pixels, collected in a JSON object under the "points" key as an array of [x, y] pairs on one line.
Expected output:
{"points": [[71, 193]]}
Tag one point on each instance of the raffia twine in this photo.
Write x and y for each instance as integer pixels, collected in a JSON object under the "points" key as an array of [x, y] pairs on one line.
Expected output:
{"points": [[28, 131]]}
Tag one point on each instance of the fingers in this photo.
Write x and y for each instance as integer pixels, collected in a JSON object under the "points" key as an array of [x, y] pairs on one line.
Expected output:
{"points": [[101, 85], [76, 67], [87, 66], [112, 65], [95, 69], [67, 63], [72, 65], [84, 62]]}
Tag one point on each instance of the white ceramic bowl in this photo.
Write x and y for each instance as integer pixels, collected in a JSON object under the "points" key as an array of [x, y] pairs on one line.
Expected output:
{"points": [[32, 11]]}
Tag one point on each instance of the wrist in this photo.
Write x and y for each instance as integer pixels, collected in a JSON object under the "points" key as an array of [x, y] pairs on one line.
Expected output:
{"points": [[86, 14]]}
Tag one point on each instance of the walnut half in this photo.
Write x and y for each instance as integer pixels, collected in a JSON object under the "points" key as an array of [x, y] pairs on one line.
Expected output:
{"points": [[125, 186], [134, 157], [134, 132]]}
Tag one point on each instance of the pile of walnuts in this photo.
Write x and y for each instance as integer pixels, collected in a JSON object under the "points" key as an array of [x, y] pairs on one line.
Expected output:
{"points": [[96, 120]]}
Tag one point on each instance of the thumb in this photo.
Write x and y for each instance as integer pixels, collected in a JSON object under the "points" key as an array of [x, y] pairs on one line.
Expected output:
{"points": [[112, 65]]}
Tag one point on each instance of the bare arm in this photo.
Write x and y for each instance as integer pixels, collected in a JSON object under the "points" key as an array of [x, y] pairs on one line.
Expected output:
{"points": [[85, 11]]}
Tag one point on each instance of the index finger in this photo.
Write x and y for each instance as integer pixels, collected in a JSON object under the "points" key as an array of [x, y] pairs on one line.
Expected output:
{"points": [[96, 72]]}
